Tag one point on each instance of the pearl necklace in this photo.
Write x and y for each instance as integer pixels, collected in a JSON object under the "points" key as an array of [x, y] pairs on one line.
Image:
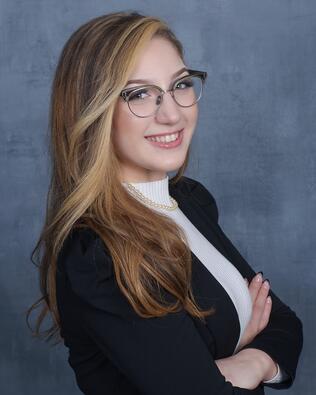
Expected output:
{"points": [[145, 199]]}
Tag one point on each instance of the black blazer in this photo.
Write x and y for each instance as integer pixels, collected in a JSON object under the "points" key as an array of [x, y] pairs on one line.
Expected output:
{"points": [[114, 351]]}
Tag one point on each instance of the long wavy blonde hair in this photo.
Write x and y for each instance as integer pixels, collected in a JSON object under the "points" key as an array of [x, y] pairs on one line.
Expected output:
{"points": [[85, 188]]}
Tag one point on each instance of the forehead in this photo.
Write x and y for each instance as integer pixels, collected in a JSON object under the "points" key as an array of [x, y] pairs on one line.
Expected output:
{"points": [[159, 58]]}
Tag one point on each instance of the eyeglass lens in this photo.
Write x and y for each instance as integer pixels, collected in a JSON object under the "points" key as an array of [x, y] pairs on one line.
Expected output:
{"points": [[143, 102]]}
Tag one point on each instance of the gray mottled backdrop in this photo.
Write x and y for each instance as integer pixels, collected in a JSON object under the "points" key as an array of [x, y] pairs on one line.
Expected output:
{"points": [[254, 149]]}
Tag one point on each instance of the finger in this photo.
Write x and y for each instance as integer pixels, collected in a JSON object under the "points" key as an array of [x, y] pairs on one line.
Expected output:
{"points": [[255, 285], [260, 301], [262, 294], [266, 314]]}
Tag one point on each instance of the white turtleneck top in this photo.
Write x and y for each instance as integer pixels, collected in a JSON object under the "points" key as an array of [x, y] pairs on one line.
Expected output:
{"points": [[223, 270]]}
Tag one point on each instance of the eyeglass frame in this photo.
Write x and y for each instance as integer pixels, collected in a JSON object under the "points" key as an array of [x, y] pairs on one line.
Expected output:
{"points": [[192, 73]]}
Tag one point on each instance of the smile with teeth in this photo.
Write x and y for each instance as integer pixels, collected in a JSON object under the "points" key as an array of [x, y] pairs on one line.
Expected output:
{"points": [[165, 139]]}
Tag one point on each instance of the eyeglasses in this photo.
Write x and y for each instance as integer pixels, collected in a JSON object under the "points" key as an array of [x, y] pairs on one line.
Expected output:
{"points": [[145, 100]]}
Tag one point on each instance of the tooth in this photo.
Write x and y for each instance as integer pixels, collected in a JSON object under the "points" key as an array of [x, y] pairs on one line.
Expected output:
{"points": [[165, 139]]}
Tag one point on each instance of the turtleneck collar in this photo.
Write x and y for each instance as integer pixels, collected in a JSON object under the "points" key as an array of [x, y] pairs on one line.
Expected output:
{"points": [[158, 190]]}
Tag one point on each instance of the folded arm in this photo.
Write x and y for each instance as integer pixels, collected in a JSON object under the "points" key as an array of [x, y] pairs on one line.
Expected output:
{"points": [[282, 338]]}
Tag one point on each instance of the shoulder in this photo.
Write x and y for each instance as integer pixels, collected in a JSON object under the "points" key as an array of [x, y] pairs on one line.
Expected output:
{"points": [[84, 251], [197, 191]]}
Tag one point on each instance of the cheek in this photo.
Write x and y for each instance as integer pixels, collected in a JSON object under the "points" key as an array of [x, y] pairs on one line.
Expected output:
{"points": [[194, 114], [191, 116], [126, 128]]}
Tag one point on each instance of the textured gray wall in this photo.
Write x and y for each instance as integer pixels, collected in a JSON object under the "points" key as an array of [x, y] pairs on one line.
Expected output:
{"points": [[254, 148]]}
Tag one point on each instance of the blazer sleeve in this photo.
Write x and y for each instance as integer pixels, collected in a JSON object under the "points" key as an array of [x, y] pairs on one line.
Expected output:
{"points": [[160, 355], [282, 338]]}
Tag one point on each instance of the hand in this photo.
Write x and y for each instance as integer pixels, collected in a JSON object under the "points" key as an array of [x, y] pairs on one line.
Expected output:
{"points": [[247, 369], [261, 309]]}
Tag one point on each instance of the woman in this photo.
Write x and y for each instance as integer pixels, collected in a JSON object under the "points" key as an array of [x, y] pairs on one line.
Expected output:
{"points": [[145, 289]]}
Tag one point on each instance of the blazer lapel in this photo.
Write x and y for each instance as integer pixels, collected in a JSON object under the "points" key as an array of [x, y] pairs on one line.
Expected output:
{"points": [[196, 215]]}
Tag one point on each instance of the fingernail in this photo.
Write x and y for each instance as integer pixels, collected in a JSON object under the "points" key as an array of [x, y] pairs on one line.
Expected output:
{"points": [[259, 276], [266, 283], [269, 300]]}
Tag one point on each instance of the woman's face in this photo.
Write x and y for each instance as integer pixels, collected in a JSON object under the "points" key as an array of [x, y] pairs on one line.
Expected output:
{"points": [[140, 159]]}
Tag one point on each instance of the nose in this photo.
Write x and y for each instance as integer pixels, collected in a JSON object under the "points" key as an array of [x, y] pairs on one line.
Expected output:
{"points": [[169, 111]]}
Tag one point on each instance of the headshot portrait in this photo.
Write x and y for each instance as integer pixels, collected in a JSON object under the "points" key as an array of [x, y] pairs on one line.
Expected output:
{"points": [[160, 198]]}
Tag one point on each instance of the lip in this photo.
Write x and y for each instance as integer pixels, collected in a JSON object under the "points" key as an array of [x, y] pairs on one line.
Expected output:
{"points": [[163, 134], [172, 144]]}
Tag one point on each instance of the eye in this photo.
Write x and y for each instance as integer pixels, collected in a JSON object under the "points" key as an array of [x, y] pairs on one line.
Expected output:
{"points": [[138, 95], [183, 84]]}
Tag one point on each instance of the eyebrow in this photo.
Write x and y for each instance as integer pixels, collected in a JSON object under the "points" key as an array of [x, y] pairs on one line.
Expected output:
{"points": [[140, 81]]}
